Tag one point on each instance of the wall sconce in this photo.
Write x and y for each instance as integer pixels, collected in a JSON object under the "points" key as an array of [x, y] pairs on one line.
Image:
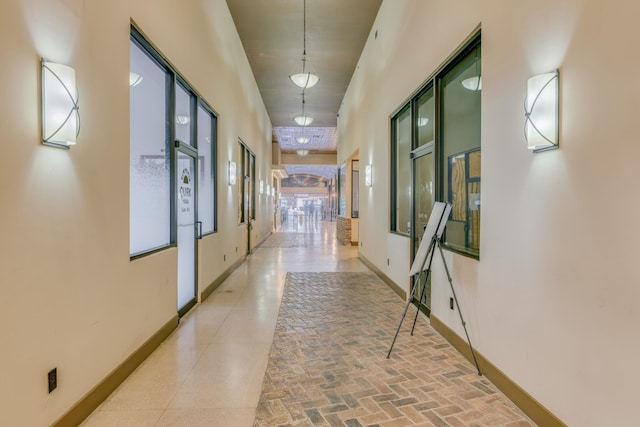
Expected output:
{"points": [[273, 191], [60, 117], [368, 181], [541, 112], [261, 187], [233, 173], [268, 190]]}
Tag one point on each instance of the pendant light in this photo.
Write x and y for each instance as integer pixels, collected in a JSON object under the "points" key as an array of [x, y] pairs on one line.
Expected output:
{"points": [[303, 120], [304, 79]]}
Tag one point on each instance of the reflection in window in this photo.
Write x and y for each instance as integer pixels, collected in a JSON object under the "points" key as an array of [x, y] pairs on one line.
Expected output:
{"points": [[460, 152], [183, 115], [149, 192], [425, 120]]}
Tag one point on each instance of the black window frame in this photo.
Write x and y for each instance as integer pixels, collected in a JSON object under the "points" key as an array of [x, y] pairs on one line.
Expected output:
{"points": [[175, 78], [434, 82]]}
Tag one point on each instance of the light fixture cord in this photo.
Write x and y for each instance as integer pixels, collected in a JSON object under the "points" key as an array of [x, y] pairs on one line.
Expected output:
{"points": [[304, 34]]}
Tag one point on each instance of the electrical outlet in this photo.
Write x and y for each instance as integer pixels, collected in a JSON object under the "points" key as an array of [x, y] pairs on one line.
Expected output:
{"points": [[53, 379], [451, 303]]}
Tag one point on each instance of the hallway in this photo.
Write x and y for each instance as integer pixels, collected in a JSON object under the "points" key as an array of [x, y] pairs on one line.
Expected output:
{"points": [[210, 371]]}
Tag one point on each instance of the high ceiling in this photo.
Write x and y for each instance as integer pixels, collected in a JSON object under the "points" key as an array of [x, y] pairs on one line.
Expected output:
{"points": [[273, 37]]}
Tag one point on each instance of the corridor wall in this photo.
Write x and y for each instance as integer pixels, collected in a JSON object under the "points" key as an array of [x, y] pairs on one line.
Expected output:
{"points": [[553, 300], [70, 297]]}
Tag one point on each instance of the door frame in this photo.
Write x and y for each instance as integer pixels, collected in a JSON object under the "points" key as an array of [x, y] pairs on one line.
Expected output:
{"points": [[414, 155], [185, 149]]}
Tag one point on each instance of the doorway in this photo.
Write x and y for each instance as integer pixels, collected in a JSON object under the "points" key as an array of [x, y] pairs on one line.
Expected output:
{"points": [[186, 226], [423, 179]]}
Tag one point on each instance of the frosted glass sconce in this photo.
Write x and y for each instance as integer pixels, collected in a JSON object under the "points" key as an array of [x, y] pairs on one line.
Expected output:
{"points": [[261, 187], [541, 112], [273, 191], [233, 173], [60, 117], [367, 176], [268, 190]]}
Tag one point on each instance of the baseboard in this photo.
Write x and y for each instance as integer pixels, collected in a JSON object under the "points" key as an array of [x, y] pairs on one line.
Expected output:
{"points": [[214, 285], [386, 279], [523, 400], [85, 406]]}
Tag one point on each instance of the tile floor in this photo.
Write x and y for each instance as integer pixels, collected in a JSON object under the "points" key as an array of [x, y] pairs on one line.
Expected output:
{"points": [[210, 371]]}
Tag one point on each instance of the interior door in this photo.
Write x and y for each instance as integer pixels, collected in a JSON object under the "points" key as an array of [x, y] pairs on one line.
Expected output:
{"points": [[186, 224], [423, 179]]}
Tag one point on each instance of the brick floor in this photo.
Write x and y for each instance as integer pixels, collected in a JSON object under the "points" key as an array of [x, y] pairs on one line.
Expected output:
{"points": [[328, 365]]}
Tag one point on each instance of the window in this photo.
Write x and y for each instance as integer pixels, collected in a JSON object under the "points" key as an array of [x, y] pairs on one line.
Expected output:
{"points": [[184, 115], [150, 172], [443, 117], [401, 171], [355, 188], [342, 190], [252, 184], [460, 152], [153, 84], [207, 131]]}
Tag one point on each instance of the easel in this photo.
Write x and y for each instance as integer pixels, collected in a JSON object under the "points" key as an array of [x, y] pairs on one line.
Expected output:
{"points": [[433, 234]]}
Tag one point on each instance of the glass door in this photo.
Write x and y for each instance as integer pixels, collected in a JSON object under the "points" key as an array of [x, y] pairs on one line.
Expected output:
{"points": [[186, 221], [423, 178]]}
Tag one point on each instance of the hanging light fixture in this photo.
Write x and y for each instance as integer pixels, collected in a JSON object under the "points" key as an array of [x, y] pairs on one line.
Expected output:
{"points": [[302, 152], [304, 79], [303, 120], [303, 139]]}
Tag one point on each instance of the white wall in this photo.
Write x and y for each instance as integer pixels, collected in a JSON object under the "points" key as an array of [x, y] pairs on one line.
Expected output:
{"points": [[69, 295], [553, 302]]}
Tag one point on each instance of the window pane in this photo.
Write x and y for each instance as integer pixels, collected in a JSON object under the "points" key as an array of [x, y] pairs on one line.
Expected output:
{"points": [[425, 120], [241, 195], [403, 171], [252, 184], [460, 154], [355, 188], [206, 144], [342, 190], [149, 156], [183, 115]]}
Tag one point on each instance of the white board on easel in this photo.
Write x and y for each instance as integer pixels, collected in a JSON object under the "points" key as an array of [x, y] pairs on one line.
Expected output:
{"points": [[436, 224]]}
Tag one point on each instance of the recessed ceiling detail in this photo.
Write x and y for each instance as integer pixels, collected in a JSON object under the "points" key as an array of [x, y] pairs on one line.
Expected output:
{"points": [[325, 171], [322, 139]]}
